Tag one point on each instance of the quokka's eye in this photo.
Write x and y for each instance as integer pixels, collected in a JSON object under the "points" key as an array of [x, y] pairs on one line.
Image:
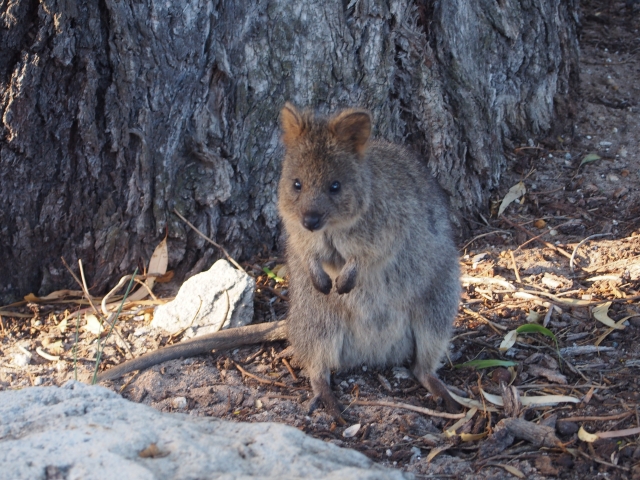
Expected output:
{"points": [[335, 187], [297, 185]]}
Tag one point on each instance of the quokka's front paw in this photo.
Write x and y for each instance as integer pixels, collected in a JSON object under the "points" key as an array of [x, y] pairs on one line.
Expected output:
{"points": [[346, 280], [322, 282]]}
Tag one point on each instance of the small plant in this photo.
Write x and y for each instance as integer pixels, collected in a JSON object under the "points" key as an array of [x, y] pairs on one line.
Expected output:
{"points": [[115, 319]]}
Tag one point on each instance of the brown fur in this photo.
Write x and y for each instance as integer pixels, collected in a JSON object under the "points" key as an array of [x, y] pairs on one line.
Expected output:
{"points": [[373, 268]]}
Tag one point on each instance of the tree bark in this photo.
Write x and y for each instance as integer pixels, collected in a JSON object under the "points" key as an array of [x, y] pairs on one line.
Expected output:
{"points": [[116, 112]]}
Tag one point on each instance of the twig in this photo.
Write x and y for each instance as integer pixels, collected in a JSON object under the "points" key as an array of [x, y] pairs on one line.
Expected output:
{"points": [[495, 326], [226, 254], [144, 285], [264, 381], [81, 283], [597, 460], [47, 356], [487, 281], [547, 244], [173, 336], [275, 292], [291, 372], [406, 406], [607, 418], [478, 237], [575, 250], [515, 266]]}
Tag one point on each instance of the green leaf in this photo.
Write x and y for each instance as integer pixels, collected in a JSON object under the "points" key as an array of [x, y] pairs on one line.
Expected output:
{"points": [[272, 275], [535, 328], [477, 364], [592, 157]]}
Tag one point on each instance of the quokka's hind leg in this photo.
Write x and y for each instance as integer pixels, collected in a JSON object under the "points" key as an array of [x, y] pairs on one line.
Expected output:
{"points": [[323, 395], [432, 335]]}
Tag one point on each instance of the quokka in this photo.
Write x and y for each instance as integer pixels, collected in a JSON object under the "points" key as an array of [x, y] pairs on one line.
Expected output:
{"points": [[374, 274], [373, 268]]}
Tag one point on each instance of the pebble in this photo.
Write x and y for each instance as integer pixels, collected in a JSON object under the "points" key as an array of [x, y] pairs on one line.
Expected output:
{"points": [[179, 403], [21, 359], [567, 428]]}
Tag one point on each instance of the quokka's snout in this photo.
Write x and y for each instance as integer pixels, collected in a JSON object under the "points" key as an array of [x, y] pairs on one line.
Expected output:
{"points": [[312, 220]]}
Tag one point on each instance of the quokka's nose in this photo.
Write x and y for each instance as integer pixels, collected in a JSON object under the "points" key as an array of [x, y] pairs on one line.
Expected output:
{"points": [[312, 221]]}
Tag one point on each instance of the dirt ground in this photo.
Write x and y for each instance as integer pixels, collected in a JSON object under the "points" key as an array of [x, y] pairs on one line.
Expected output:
{"points": [[555, 257]]}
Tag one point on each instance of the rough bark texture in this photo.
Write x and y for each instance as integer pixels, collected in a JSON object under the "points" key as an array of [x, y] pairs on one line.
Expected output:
{"points": [[116, 112]]}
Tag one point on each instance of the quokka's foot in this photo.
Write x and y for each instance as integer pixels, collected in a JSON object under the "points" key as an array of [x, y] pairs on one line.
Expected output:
{"points": [[324, 397], [439, 389]]}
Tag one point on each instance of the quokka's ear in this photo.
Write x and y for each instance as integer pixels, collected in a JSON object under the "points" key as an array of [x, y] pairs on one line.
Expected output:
{"points": [[293, 124], [352, 127]]}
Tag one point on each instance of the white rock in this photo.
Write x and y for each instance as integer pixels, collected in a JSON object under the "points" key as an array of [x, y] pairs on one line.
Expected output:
{"points": [[218, 298], [21, 359], [80, 431], [179, 403]]}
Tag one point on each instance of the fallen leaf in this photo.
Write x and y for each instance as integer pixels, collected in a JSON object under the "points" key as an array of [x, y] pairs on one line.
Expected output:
{"points": [[551, 375], [478, 364], [472, 437], [535, 328], [586, 436], [535, 401], [166, 278], [591, 157], [435, 451], [451, 431], [600, 313], [152, 451], [351, 431], [533, 317], [57, 295], [509, 340], [93, 324], [157, 267], [469, 403], [512, 470], [515, 192]]}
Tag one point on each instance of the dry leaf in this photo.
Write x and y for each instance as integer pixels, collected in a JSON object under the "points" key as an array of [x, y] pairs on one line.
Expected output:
{"points": [[351, 431], [435, 451], [157, 267], [515, 192], [541, 401], [472, 437], [57, 295], [600, 313], [469, 403], [509, 340], [93, 324], [451, 431], [152, 451], [512, 470], [533, 317], [166, 278], [551, 375], [586, 436]]}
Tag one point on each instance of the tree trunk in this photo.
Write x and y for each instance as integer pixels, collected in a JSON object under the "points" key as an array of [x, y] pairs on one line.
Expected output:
{"points": [[116, 112]]}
